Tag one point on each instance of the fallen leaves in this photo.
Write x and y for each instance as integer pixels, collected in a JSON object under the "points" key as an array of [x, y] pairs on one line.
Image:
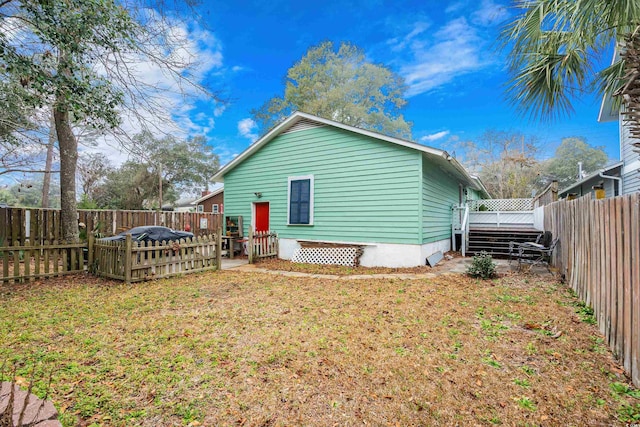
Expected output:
{"points": [[231, 348]]}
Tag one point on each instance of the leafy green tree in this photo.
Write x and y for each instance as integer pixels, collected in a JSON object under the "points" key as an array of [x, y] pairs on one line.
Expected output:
{"points": [[15, 112], [159, 170], [563, 167], [342, 86], [127, 187], [555, 46], [179, 164], [28, 193], [74, 55]]}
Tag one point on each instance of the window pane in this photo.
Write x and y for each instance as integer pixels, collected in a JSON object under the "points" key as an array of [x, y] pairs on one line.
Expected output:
{"points": [[295, 191], [299, 201], [295, 218], [304, 213]]}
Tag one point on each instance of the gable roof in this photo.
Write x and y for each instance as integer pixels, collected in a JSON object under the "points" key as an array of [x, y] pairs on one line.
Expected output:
{"points": [[607, 170], [300, 121], [208, 196]]}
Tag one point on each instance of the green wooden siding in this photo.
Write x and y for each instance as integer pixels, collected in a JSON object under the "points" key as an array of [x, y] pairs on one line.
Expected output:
{"points": [[439, 193], [365, 190], [473, 194]]}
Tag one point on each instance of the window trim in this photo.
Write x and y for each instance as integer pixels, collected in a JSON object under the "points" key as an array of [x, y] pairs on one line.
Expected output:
{"points": [[215, 208], [200, 208], [311, 203]]}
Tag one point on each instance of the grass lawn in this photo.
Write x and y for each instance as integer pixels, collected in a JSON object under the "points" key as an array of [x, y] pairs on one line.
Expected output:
{"points": [[241, 348]]}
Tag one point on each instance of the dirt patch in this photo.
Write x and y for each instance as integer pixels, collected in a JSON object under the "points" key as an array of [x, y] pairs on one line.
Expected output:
{"points": [[340, 270]]}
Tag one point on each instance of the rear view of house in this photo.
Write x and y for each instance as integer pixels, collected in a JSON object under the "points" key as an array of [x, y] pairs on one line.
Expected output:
{"points": [[319, 182]]}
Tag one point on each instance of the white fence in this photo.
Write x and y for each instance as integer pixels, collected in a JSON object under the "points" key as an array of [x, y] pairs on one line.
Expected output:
{"points": [[501, 205], [502, 219], [516, 213]]}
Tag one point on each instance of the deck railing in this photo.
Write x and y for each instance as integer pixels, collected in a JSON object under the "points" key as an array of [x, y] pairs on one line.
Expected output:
{"points": [[501, 205], [515, 213], [460, 225]]}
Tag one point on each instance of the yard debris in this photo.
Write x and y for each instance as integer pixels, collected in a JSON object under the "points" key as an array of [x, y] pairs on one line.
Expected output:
{"points": [[224, 347]]}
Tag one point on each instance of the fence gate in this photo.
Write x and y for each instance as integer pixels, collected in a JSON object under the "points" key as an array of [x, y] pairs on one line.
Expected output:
{"points": [[262, 244]]}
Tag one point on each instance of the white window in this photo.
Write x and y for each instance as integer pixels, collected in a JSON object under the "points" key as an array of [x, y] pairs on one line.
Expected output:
{"points": [[200, 208], [300, 200], [215, 208]]}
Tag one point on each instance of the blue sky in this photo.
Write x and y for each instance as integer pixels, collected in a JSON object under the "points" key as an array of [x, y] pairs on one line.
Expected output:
{"points": [[446, 51]]}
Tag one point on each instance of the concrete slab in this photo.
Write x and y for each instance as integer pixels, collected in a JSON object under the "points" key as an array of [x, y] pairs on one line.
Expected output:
{"points": [[228, 264]]}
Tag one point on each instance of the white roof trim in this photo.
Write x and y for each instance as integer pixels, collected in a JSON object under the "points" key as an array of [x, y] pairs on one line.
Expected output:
{"points": [[293, 118], [607, 112], [208, 196], [591, 176]]}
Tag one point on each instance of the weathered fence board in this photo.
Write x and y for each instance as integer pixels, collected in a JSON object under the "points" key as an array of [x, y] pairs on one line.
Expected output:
{"points": [[137, 261], [599, 256], [262, 245], [32, 224], [25, 262]]}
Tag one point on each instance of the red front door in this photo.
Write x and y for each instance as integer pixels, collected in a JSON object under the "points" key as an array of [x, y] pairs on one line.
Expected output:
{"points": [[262, 216]]}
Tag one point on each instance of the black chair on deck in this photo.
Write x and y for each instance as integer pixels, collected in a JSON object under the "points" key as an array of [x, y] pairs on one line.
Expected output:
{"points": [[537, 253]]}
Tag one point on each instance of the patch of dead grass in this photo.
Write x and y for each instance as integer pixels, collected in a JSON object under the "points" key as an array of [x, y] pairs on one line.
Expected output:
{"points": [[237, 348], [337, 270]]}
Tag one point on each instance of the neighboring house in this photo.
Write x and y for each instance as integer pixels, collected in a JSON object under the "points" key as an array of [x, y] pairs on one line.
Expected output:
{"points": [[181, 205], [629, 159], [607, 178], [315, 180], [211, 201]]}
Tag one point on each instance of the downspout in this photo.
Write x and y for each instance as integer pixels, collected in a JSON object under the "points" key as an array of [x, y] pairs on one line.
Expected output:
{"points": [[615, 178]]}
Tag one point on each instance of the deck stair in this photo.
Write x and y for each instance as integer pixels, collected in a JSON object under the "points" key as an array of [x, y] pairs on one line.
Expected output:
{"points": [[496, 240]]}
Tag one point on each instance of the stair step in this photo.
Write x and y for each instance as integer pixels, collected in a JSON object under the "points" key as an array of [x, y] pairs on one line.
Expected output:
{"points": [[495, 241]]}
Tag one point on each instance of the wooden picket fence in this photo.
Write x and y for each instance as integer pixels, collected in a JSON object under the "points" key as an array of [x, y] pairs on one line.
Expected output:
{"points": [[262, 245], [23, 262], [599, 256], [133, 261], [20, 225]]}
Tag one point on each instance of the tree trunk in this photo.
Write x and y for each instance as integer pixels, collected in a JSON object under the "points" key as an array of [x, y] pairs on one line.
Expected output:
{"points": [[46, 182], [68, 162]]}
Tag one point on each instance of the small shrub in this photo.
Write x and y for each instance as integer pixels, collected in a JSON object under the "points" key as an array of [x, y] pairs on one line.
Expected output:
{"points": [[482, 266]]}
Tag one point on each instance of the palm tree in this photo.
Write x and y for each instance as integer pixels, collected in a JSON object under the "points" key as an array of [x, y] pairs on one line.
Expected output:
{"points": [[556, 47]]}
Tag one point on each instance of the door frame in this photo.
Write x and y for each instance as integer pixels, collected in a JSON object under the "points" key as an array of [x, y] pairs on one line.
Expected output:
{"points": [[253, 214]]}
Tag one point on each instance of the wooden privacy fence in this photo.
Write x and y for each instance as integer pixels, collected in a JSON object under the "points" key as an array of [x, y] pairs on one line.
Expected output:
{"points": [[262, 245], [32, 224], [133, 261], [35, 260], [547, 196], [599, 256]]}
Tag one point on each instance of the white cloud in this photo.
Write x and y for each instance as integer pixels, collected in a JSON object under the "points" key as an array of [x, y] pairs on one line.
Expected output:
{"points": [[489, 13], [170, 105], [435, 136], [431, 57], [247, 128], [455, 7], [455, 50], [400, 43], [217, 112]]}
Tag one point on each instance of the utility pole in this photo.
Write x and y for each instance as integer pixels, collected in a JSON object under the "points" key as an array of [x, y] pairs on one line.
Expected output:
{"points": [[160, 186]]}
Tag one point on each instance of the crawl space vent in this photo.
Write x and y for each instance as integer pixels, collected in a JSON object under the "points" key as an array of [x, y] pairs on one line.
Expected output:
{"points": [[349, 256]]}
